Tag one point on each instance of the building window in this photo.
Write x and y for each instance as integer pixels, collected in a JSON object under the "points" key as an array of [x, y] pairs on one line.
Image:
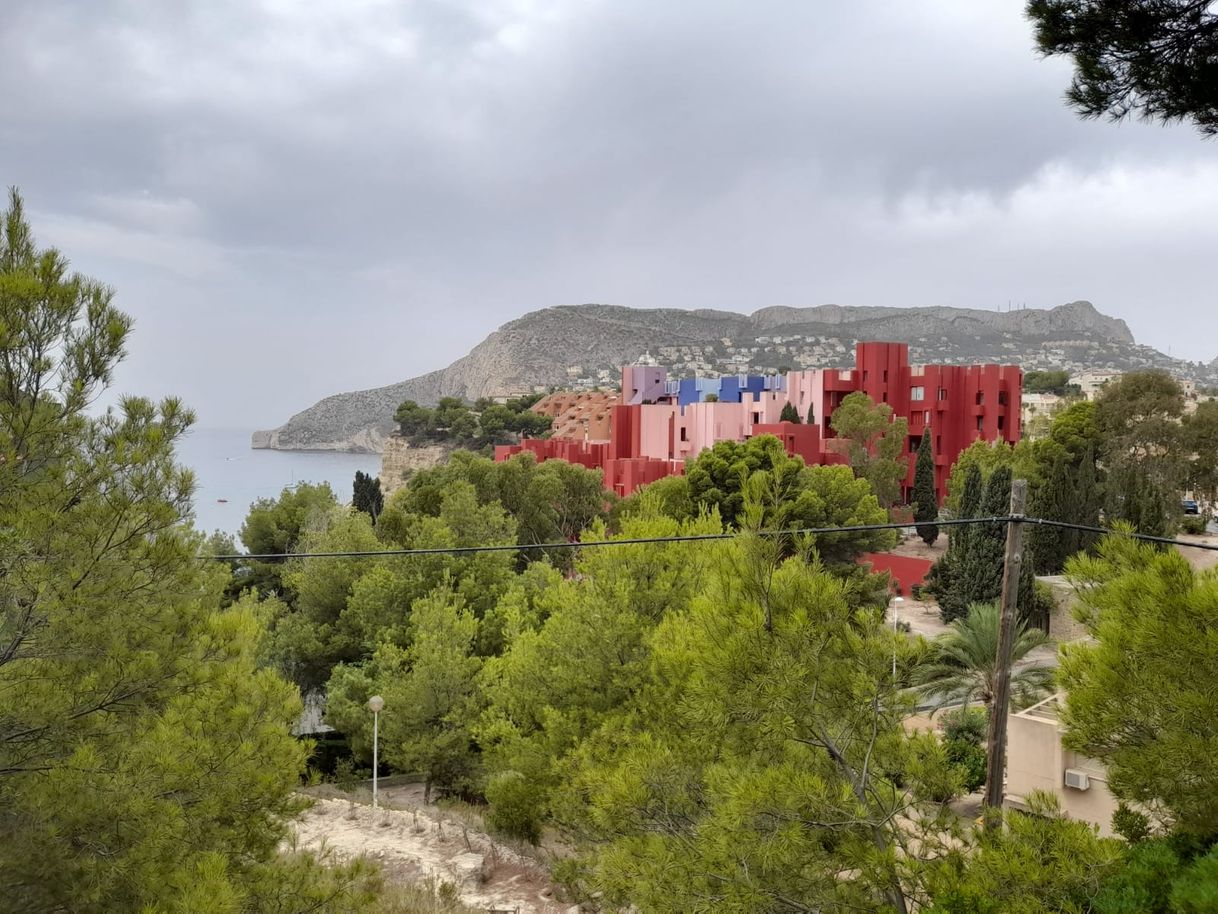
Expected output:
{"points": [[917, 393], [942, 393], [981, 398], [914, 444], [684, 434], [926, 417], [885, 375], [865, 373], [1001, 423], [885, 397], [979, 423], [938, 443], [1002, 398]]}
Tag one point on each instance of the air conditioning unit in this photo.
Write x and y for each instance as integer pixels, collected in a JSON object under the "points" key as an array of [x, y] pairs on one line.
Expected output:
{"points": [[1077, 779]]}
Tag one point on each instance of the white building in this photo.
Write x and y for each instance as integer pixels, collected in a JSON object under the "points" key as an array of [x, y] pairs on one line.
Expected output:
{"points": [[1037, 760], [1092, 382], [1034, 406]]}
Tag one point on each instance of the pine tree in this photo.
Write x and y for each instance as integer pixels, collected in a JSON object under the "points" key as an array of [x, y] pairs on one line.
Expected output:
{"points": [[1141, 695], [436, 694], [811, 415], [760, 765], [789, 414], [926, 502], [145, 759]]}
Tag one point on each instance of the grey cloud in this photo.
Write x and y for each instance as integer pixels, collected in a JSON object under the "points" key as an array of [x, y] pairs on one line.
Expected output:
{"points": [[285, 182]]}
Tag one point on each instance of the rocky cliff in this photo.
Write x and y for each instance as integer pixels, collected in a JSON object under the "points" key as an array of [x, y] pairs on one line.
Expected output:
{"points": [[399, 459], [584, 345]]}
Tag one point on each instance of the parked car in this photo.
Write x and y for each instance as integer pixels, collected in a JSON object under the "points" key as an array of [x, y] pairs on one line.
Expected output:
{"points": [[1190, 506]]}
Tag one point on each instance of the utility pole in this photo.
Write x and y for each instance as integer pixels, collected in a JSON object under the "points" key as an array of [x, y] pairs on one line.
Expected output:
{"points": [[997, 744]]}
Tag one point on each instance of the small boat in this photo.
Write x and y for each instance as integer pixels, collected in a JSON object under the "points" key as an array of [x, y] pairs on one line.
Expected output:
{"points": [[222, 501]]}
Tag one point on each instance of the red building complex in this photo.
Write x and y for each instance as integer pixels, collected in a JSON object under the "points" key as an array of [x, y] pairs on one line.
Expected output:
{"points": [[660, 423]]}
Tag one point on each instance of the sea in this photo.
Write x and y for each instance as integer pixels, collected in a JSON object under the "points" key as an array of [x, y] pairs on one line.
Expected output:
{"points": [[230, 475]]}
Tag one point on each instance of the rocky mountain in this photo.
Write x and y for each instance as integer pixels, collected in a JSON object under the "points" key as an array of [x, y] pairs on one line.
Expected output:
{"points": [[583, 346]]}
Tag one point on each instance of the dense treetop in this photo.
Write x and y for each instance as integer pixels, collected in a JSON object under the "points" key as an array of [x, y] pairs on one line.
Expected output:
{"points": [[145, 757], [1156, 60], [455, 422]]}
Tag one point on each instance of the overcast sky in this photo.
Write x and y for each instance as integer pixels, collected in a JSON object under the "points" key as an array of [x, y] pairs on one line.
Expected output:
{"points": [[298, 198]]}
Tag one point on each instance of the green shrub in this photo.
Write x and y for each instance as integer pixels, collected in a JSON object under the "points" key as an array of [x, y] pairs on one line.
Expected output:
{"points": [[516, 807], [344, 773], [1193, 524], [1043, 604], [1130, 824], [965, 725], [1196, 891], [969, 759]]}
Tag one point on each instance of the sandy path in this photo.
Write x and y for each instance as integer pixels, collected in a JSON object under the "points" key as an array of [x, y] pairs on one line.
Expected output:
{"points": [[1201, 559], [415, 847]]}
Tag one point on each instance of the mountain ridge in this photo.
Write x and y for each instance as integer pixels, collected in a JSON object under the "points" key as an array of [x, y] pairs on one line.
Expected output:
{"points": [[584, 345]]}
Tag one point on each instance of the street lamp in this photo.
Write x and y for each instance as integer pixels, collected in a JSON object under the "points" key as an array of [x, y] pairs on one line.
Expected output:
{"points": [[375, 703], [895, 632]]}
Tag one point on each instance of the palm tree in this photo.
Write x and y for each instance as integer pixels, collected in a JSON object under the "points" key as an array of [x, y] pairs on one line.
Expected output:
{"points": [[963, 665]]}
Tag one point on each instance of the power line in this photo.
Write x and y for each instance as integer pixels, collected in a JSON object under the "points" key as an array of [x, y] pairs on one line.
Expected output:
{"points": [[1144, 537], [692, 538], [566, 544]]}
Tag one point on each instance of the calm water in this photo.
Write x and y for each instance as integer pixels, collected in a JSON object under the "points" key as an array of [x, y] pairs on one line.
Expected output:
{"points": [[226, 467]]}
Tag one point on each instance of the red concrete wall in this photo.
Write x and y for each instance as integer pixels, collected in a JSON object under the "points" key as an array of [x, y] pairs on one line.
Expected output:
{"points": [[906, 570], [797, 439], [960, 403], [625, 475]]}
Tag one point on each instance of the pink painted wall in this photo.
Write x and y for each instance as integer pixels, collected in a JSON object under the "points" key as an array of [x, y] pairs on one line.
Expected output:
{"points": [[656, 428], [707, 423], [805, 388], [642, 382]]}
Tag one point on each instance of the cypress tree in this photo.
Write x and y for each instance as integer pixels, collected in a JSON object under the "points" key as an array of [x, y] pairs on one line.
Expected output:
{"points": [[1030, 608], [811, 415], [943, 578], [1090, 499], [789, 414], [1148, 514], [970, 506], [1136, 498], [366, 495], [1055, 499], [978, 572], [926, 501]]}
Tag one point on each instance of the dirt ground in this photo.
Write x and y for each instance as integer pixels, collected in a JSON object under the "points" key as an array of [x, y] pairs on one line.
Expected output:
{"points": [[419, 844], [1201, 559], [914, 546]]}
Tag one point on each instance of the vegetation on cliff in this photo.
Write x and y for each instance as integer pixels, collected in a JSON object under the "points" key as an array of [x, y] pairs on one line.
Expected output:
{"points": [[454, 422]]}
